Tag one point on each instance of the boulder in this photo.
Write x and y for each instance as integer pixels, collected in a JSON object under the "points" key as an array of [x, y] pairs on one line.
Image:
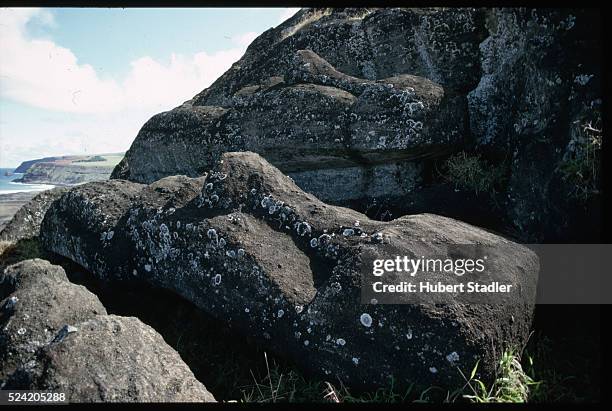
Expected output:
{"points": [[25, 224], [57, 336], [114, 359], [37, 301], [245, 244]]}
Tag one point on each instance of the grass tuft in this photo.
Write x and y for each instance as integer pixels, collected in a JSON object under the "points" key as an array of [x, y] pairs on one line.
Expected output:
{"points": [[512, 384], [471, 172], [581, 167], [284, 386]]}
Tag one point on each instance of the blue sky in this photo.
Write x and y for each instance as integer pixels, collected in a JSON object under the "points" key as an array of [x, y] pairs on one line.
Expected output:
{"points": [[77, 80]]}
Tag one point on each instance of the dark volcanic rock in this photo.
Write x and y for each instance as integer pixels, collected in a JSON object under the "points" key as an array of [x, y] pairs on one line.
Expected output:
{"points": [[56, 336], [113, 197], [247, 245], [339, 100], [356, 104], [540, 87], [25, 223], [110, 358], [38, 300]]}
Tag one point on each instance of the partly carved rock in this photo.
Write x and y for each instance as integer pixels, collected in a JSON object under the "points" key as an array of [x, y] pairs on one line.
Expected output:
{"points": [[248, 246], [340, 100], [541, 85]]}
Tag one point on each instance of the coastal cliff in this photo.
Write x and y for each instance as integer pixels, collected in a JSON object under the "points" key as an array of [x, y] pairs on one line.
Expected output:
{"points": [[68, 170]]}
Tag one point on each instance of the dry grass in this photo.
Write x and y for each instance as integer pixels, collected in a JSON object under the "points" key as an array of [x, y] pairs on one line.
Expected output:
{"points": [[316, 15]]}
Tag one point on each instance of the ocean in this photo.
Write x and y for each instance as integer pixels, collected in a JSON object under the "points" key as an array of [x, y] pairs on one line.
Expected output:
{"points": [[7, 186]]}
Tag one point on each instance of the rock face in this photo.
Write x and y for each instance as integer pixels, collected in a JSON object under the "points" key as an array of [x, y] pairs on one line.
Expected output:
{"points": [[538, 103], [356, 104], [247, 245], [339, 100], [56, 335], [25, 223]]}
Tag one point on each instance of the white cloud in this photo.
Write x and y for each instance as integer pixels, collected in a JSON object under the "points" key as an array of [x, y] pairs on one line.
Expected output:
{"points": [[44, 74], [91, 114], [68, 134], [287, 13]]}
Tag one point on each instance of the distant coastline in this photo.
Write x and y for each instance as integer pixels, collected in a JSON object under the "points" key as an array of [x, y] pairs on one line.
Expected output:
{"points": [[8, 185], [26, 188], [19, 185], [68, 170], [13, 195]]}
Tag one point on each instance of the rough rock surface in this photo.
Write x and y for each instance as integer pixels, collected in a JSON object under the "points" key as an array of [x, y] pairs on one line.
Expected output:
{"points": [[541, 85], [354, 104], [25, 223], [247, 245], [339, 100], [56, 336], [37, 301]]}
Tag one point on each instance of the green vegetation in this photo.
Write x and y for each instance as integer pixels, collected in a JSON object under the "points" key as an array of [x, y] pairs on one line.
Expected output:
{"points": [[582, 163], [572, 371], [279, 386], [471, 172], [109, 160], [91, 159], [106, 160], [512, 385], [540, 374]]}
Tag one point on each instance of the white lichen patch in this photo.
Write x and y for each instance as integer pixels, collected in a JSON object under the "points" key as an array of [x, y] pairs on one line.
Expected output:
{"points": [[453, 357], [409, 333], [366, 320]]}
